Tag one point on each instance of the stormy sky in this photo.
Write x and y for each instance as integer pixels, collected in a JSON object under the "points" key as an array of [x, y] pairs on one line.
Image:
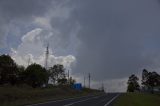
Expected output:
{"points": [[111, 39]]}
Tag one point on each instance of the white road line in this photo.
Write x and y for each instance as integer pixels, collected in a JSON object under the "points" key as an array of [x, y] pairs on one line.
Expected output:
{"points": [[111, 100], [57, 101], [82, 101]]}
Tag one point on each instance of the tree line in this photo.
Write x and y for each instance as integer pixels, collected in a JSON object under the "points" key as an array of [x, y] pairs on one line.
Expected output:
{"points": [[33, 75], [150, 80]]}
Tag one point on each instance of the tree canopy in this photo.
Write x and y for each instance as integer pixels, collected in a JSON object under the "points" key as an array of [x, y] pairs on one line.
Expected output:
{"points": [[57, 74], [36, 75], [133, 84], [150, 79], [8, 70]]}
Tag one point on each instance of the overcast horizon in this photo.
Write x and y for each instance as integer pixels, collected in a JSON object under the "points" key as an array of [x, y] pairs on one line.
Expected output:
{"points": [[111, 39]]}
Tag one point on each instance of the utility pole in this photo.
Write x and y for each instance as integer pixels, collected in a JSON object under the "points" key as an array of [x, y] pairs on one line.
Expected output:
{"points": [[84, 82], [46, 58], [89, 78], [102, 87], [68, 78]]}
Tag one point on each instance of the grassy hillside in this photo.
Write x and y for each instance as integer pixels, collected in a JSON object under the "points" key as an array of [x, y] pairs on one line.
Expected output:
{"points": [[17, 96], [138, 99]]}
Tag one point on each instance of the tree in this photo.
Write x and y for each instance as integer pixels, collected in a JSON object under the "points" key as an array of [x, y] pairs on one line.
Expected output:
{"points": [[153, 80], [57, 74], [72, 81], [150, 79], [35, 75], [144, 77], [133, 83], [21, 74], [8, 70], [62, 81]]}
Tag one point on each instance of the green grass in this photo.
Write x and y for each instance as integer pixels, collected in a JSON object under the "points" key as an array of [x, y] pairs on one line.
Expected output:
{"points": [[138, 99], [18, 96]]}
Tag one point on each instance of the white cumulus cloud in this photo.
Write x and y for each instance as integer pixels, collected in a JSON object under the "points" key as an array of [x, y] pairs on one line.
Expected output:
{"points": [[32, 50]]}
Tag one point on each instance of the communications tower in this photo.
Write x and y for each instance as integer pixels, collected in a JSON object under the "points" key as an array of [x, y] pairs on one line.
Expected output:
{"points": [[46, 57]]}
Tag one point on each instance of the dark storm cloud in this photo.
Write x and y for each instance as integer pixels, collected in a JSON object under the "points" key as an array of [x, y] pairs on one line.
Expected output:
{"points": [[119, 37], [23, 8], [20, 11]]}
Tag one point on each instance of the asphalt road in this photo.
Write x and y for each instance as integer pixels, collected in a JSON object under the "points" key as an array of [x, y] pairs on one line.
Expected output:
{"points": [[105, 99]]}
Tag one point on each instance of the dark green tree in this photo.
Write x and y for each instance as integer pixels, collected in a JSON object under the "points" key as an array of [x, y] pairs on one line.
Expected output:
{"points": [[21, 75], [71, 81], [57, 74], [133, 83], [36, 76], [153, 80], [62, 81], [144, 77], [150, 80], [8, 70]]}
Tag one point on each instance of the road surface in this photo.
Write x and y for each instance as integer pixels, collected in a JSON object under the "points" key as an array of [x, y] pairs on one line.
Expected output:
{"points": [[105, 99]]}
